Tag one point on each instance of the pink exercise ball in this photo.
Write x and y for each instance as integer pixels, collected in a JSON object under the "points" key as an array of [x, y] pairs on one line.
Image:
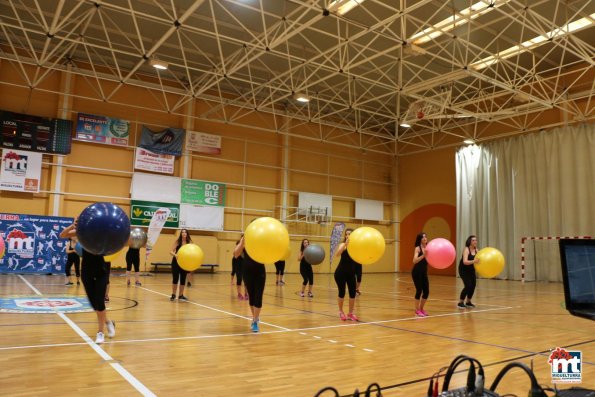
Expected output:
{"points": [[440, 253]]}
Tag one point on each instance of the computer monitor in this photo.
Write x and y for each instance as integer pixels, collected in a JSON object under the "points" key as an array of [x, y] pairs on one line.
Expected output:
{"points": [[578, 271]]}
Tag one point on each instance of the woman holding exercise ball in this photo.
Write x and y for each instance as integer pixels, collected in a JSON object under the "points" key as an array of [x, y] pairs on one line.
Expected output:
{"points": [[467, 272], [420, 274]]}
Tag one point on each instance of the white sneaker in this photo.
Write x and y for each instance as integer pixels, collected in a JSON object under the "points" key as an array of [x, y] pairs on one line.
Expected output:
{"points": [[99, 339], [111, 328]]}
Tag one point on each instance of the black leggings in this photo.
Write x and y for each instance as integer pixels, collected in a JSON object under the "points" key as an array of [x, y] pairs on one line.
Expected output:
{"points": [[358, 272], [280, 268], [108, 269], [132, 259], [467, 273], [255, 277], [239, 270], [421, 281], [73, 259], [95, 279], [307, 273], [178, 273], [343, 278]]}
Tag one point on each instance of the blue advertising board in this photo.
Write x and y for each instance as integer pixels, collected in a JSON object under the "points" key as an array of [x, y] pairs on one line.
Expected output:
{"points": [[32, 243]]}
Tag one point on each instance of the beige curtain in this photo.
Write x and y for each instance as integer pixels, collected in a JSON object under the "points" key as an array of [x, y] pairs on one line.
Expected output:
{"points": [[540, 184]]}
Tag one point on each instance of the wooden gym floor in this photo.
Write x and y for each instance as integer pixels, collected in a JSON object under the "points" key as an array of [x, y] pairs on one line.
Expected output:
{"points": [[205, 348]]}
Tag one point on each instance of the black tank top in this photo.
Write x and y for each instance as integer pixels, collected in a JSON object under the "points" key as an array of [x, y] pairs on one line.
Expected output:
{"points": [[248, 261], [94, 264], [470, 257], [174, 260], [423, 264], [346, 264], [73, 254], [304, 262]]}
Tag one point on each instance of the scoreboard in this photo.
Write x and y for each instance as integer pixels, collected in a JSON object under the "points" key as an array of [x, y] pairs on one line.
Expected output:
{"points": [[34, 133]]}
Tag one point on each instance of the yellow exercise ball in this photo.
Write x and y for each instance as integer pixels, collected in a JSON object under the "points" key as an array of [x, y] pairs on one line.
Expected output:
{"points": [[366, 245], [113, 257], [266, 240], [491, 262], [190, 257], [287, 253]]}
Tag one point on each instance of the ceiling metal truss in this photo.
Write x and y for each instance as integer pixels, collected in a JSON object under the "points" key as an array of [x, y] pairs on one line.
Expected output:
{"points": [[452, 70]]}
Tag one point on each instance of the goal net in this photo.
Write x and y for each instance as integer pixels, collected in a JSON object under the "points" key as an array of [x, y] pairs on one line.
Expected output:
{"points": [[540, 257]]}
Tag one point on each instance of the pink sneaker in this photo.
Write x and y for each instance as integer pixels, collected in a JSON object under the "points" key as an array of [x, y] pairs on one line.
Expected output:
{"points": [[425, 313], [241, 297], [419, 313], [352, 317], [246, 297], [342, 316]]}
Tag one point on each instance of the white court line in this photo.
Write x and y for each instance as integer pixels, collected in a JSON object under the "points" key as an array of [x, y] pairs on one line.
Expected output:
{"points": [[299, 330], [102, 353], [369, 350], [217, 310], [396, 294]]}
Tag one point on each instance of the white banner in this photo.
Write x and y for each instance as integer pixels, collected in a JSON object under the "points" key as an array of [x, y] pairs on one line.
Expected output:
{"points": [[157, 221], [203, 143], [20, 171], [199, 217], [155, 162]]}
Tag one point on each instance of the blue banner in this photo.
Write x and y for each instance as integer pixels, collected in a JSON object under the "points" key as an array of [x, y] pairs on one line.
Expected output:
{"points": [[32, 243], [168, 141]]}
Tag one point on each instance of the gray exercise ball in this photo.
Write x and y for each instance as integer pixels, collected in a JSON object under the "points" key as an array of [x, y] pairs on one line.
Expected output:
{"points": [[138, 238], [314, 254]]}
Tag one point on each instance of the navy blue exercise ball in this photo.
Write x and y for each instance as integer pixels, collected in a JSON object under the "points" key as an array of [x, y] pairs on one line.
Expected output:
{"points": [[103, 228]]}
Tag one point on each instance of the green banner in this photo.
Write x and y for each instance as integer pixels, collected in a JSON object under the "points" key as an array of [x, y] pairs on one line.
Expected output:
{"points": [[203, 193], [141, 213]]}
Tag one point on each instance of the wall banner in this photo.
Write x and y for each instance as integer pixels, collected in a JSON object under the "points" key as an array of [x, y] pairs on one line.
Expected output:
{"points": [[203, 193], [155, 162], [203, 143], [141, 213], [167, 141], [32, 243], [20, 171], [102, 129]]}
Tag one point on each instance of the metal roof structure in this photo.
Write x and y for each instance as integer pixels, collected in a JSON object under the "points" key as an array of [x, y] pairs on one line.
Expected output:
{"points": [[451, 70]]}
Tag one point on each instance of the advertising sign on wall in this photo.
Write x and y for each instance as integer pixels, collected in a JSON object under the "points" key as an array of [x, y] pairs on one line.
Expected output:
{"points": [[203, 143], [32, 243], [101, 129], [141, 213], [203, 193], [20, 171], [155, 162]]}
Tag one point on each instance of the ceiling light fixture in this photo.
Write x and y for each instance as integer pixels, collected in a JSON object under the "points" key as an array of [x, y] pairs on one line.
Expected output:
{"points": [[301, 98], [342, 7], [458, 19], [535, 42], [469, 141], [157, 64], [405, 125]]}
